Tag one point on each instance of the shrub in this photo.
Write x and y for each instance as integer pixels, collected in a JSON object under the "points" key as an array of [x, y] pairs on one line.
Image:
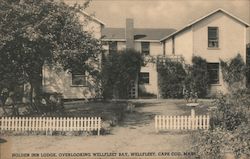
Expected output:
{"points": [[119, 69], [209, 144], [171, 79], [197, 79], [229, 127], [234, 72]]}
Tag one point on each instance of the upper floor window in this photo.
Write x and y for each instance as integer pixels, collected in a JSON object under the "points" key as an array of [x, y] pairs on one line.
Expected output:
{"points": [[213, 37], [113, 47], [79, 79], [145, 48], [213, 73]]}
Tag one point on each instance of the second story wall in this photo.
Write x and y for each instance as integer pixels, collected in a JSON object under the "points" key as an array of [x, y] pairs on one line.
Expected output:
{"points": [[155, 47], [231, 38], [183, 45], [91, 25]]}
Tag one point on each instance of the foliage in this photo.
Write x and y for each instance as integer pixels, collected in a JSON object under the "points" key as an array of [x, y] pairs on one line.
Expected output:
{"points": [[35, 32], [232, 110], [143, 94], [197, 79], [234, 71], [118, 71], [200, 76], [174, 78], [209, 144], [171, 79], [229, 127]]}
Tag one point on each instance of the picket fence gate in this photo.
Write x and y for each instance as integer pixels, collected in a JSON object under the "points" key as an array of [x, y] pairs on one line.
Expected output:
{"points": [[49, 124], [181, 122]]}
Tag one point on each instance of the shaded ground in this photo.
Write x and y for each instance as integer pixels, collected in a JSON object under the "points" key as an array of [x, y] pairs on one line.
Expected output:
{"points": [[134, 134]]}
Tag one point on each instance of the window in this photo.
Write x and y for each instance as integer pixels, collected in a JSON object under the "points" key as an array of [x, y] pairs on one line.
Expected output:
{"points": [[213, 73], [112, 47], [144, 78], [213, 37], [145, 48], [79, 79]]}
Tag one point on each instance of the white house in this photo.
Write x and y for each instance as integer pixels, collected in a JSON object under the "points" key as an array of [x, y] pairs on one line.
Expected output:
{"points": [[144, 40], [218, 35], [73, 86]]}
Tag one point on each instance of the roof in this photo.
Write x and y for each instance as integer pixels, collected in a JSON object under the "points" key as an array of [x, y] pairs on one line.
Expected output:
{"points": [[140, 34], [93, 18], [204, 17]]}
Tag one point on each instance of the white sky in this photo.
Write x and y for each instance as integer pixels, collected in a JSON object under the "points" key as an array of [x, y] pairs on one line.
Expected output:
{"points": [[162, 13]]}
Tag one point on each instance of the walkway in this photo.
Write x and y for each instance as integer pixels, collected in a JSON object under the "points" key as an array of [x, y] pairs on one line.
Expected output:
{"points": [[135, 134]]}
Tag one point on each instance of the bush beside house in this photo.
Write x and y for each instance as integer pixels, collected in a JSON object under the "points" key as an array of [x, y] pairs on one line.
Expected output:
{"points": [[171, 79], [234, 72], [229, 125], [176, 77], [119, 69], [199, 77]]}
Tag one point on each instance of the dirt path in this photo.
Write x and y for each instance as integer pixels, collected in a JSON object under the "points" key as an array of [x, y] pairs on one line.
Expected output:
{"points": [[135, 134]]}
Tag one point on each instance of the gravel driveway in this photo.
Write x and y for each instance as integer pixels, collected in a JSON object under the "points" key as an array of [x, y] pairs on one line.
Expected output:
{"points": [[135, 134]]}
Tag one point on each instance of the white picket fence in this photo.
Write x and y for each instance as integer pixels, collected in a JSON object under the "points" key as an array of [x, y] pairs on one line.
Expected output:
{"points": [[49, 124], [181, 122]]}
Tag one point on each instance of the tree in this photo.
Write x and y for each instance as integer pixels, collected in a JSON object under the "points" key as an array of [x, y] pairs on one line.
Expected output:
{"points": [[35, 32], [199, 76], [171, 78], [118, 71]]}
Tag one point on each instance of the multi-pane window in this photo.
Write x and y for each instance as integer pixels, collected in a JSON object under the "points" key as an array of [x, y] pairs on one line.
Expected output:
{"points": [[113, 47], [213, 73], [213, 37], [144, 78], [145, 48], [79, 79]]}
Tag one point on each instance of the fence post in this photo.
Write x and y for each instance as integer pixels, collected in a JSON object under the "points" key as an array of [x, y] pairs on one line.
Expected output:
{"points": [[170, 123], [156, 124], [99, 126], [164, 122], [208, 119]]}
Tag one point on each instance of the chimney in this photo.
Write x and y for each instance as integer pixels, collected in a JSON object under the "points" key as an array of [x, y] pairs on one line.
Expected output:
{"points": [[129, 33]]}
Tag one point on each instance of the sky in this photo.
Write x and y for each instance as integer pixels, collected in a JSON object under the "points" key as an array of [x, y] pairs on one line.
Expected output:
{"points": [[162, 13]]}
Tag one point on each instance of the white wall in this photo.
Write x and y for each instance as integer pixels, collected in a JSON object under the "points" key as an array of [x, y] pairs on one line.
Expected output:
{"points": [[155, 49], [231, 38], [169, 47], [121, 45], [57, 80], [193, 41], [92, 26], [184, 45], [231, 42], [152, 87]]}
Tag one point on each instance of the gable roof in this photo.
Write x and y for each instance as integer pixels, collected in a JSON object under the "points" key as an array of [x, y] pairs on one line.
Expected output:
{"points": [[204, 17], [140, 34], [92, 17]]}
